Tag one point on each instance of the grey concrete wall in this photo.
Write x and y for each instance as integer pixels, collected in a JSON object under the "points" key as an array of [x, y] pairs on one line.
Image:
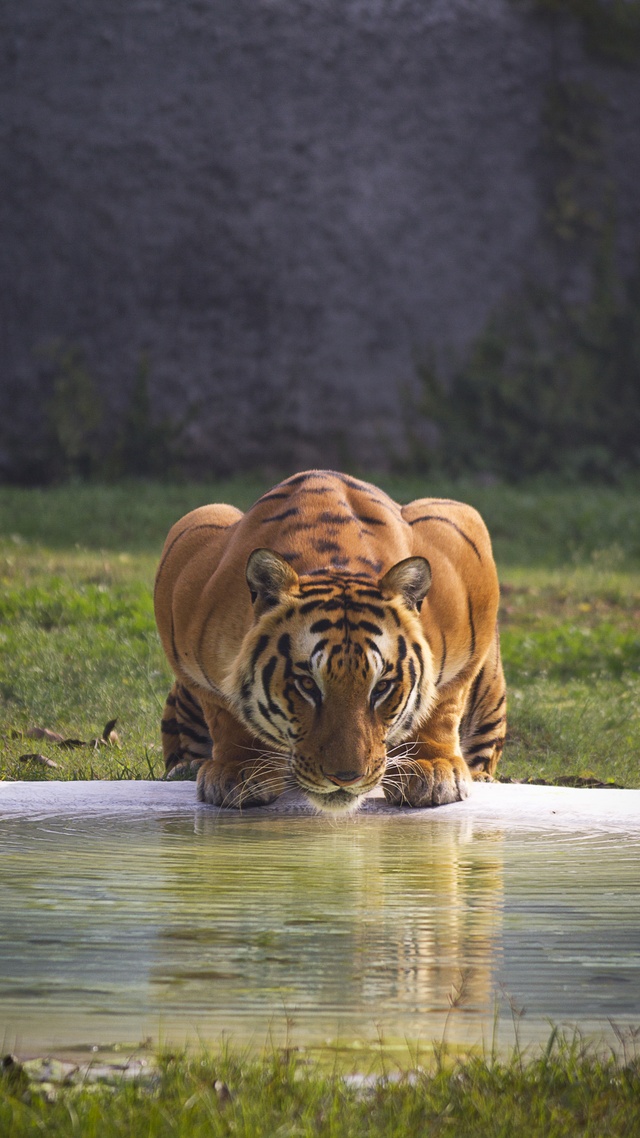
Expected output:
{"points": [[283, 202]]}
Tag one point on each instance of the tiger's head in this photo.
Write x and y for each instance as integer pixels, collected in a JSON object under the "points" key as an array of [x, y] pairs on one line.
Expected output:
{"points": [[335, 672]]}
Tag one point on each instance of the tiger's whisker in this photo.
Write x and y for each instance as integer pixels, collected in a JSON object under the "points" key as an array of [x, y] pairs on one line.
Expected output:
{"points": [[261, 750]]}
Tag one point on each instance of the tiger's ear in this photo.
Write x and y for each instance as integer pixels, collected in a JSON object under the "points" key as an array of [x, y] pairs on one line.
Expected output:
{"points": [[409, 579], [269, 577]]}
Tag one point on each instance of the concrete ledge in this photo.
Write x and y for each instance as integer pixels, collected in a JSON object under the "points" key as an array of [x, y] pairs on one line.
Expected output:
{"points": [[512, 805]]}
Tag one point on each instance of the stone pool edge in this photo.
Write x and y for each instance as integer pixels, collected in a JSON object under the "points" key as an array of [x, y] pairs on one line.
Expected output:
{"points": [[514, 805]]}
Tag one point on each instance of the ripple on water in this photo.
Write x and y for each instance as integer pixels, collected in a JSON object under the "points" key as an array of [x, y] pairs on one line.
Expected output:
{"points": [[203, 924]]}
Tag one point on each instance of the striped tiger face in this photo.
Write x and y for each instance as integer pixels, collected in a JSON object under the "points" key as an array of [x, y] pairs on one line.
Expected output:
{"points": [[335, 671]]}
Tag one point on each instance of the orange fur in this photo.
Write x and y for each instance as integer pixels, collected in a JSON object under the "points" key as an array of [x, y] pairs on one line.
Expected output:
{"points": [[330, 639]]}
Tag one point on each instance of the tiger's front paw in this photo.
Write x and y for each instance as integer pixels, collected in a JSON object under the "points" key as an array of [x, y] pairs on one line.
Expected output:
{"points": [[230, 784], [428, 782]]}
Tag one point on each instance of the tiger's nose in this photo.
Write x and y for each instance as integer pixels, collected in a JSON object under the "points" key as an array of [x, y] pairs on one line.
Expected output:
{"points": [[343, 778]]}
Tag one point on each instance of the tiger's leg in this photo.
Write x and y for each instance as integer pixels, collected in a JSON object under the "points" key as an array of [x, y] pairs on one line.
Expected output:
{"points": [[484, 723], [243, 771], [433, 772], [186, 741]]}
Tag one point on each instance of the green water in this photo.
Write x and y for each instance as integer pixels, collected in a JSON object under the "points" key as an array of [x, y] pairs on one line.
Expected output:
{"points": [[372, 927]]}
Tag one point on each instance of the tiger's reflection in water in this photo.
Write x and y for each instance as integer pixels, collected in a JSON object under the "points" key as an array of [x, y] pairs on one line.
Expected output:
{"points": [[379, 920]]}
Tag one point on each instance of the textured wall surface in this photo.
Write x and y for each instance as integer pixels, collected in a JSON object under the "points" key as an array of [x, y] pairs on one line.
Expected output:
{"points": [[284, 203]]}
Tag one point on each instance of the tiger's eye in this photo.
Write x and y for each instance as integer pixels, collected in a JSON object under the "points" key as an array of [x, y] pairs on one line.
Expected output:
{"points": [[381, 687], [306, 683]]}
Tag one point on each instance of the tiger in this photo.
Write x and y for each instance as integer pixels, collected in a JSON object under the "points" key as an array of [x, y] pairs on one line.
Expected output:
{"points": [[332, 641]]}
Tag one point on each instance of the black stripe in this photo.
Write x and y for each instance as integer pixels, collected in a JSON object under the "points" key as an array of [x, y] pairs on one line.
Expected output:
{"points": [[173, 760], [501, 701], [369, 520], [448, 522], [333, 604], [325, 625], [335, 519], [257, 651], [473, 694], [352, 482], [188, 697], [174, 648], [475, 750], [272, 709], [273, 494], [400, 677], [365, 488], [376, 566], [170, 726], [374, 629], [350, 606], [195, 735], [284, 645], [267, 676], [313, 606], [364, 606], [325, 546], [296, 479], [290, 513], [340, 579], [184, 729], [187, 711], [472, 627], [490, 726], [298, 527]]}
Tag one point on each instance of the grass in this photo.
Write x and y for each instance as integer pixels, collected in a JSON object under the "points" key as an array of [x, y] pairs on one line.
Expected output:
{"points": [[571, 647], [79, 645], [565, 1091]]}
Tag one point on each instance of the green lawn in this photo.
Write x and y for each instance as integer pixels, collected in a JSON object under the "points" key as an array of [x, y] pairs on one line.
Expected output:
{"points": [[79, 645], [564, 1092]]}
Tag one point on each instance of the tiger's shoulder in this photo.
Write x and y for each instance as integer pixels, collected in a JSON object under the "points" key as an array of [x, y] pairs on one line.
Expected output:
{"points": [[456, 526]]}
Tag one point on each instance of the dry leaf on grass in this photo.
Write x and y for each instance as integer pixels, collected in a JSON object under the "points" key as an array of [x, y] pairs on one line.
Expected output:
{"points": [[44, 733], [109, 737], [108, 730], [41, 760]]}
